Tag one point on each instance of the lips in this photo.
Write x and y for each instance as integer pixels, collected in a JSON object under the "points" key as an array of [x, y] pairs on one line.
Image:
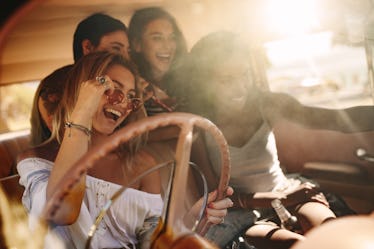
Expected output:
{"points": [[165, 57], [112, 113], [239, 99]]}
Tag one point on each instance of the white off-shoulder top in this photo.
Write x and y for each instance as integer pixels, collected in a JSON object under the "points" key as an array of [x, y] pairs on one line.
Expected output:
{"points": [[122, 224]]}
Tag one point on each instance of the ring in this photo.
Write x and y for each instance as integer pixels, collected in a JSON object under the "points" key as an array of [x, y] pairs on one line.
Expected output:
{"points": [[101, 79]]}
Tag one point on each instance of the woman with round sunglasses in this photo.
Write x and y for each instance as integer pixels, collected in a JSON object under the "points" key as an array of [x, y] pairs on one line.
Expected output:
{"points": [[101, 96], [97, 32]]}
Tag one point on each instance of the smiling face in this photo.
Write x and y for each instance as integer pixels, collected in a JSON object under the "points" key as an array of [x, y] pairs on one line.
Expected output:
{"points": [[116, 42], [158, 46], [111, 114], [230, 84]]}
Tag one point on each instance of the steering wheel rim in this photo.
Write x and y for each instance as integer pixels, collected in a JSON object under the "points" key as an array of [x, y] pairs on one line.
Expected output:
{"points": [[185, 121]]}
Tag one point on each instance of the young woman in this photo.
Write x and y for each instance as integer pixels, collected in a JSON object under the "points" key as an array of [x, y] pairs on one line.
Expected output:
{"points": [[97, 32], [100, 32], [157, 44], [100, 96], [216, 82]]}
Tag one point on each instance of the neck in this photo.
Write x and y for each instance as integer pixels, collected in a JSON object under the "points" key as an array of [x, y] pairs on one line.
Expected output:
{"points": [[97, 137], [157, 77]]}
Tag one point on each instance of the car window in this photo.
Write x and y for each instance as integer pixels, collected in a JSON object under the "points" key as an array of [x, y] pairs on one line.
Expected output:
{"points": [[15, 106], [311, 49], [318, 72]]}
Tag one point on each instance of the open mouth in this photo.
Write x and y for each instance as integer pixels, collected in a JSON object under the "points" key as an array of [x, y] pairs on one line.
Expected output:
{"points": [[164, 57], [238, 99], [112, 114]]}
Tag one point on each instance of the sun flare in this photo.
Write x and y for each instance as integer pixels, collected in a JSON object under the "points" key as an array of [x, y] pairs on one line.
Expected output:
{"points": [[291, 17]]}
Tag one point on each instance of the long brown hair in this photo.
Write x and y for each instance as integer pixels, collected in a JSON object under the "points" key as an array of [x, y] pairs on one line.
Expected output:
{"points": [[53, 85], [193, 81], [88, 67], [140, 19]]}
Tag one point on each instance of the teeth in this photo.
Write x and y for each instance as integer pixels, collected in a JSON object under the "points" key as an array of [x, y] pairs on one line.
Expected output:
{"points": [[164, 55], [238, 98], [114, 112]]}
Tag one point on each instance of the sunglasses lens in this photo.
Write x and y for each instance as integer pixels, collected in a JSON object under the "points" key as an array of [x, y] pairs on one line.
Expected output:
{"points": [[115, 97]]}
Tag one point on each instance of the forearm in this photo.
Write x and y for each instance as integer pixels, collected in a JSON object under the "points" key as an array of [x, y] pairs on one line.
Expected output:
{"points": [[278, 106], [73, 147], [256, 200]]}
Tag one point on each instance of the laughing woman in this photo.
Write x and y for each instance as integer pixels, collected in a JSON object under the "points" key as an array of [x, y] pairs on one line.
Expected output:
{"points": [[101, 96], [216, 81], [157, 44]]}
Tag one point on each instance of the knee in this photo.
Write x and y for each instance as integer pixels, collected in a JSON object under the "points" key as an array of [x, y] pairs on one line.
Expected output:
{"points": [[313, 214], [272, 237]]}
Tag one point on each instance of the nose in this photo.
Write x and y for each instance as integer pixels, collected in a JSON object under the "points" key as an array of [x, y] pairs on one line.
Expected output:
{"points": [[168, 43], [242, 85]]}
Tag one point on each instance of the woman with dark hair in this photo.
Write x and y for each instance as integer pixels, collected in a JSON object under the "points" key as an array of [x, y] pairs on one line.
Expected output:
{"points": [[99, 32], [216, 81], [157, 44]]}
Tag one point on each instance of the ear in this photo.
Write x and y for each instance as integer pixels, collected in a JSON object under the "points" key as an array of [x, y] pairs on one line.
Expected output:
{"points": [[87, 46]]}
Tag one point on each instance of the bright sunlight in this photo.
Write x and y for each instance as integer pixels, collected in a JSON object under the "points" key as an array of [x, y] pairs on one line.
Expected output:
{"points": [[291, 17]]}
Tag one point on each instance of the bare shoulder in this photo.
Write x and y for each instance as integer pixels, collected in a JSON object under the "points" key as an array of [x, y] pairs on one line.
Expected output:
{"points": [[46, 151], [144, 160], [26, 154]]}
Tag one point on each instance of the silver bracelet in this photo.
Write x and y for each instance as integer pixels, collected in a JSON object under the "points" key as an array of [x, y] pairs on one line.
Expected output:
{"points": [[70, 125]]}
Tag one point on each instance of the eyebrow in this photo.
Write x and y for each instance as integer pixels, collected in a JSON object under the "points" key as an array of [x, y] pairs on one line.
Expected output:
{"points": [[122, 85], [161, 33], [118, 43], [118, 83]]}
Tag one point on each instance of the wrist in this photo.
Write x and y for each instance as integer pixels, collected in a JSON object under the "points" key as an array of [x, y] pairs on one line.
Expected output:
{"points": [[82, 128], [81, 118]]}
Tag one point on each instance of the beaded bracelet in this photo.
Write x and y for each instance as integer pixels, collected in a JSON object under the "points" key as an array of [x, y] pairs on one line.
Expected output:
{"points": [[87, 131]]}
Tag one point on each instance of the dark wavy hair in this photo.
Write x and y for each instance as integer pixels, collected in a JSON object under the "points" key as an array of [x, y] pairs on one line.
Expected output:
{"points": [[192, 82], [93, 28], [138, 22]]}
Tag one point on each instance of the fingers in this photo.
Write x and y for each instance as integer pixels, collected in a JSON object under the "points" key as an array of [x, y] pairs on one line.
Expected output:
{"points": [[216, 220], [221, 204], [91, 89], [308, 185], [104, 81], [216, 216], [216, 211], [229, 191], [320, 197], [212, 196]]}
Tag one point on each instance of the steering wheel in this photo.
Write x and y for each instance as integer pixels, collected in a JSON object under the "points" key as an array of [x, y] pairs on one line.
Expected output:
{"points": [[186, 122]]}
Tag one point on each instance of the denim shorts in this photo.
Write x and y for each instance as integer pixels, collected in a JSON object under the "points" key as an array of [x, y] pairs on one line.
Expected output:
{"points": [[236, 222]]}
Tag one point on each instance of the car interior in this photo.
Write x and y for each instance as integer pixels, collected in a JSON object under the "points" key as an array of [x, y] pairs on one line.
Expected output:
{"points": [[319, 51]]}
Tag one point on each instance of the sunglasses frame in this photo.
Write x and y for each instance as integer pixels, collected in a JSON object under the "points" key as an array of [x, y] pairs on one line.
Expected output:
{"points": [[118, 97]]}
